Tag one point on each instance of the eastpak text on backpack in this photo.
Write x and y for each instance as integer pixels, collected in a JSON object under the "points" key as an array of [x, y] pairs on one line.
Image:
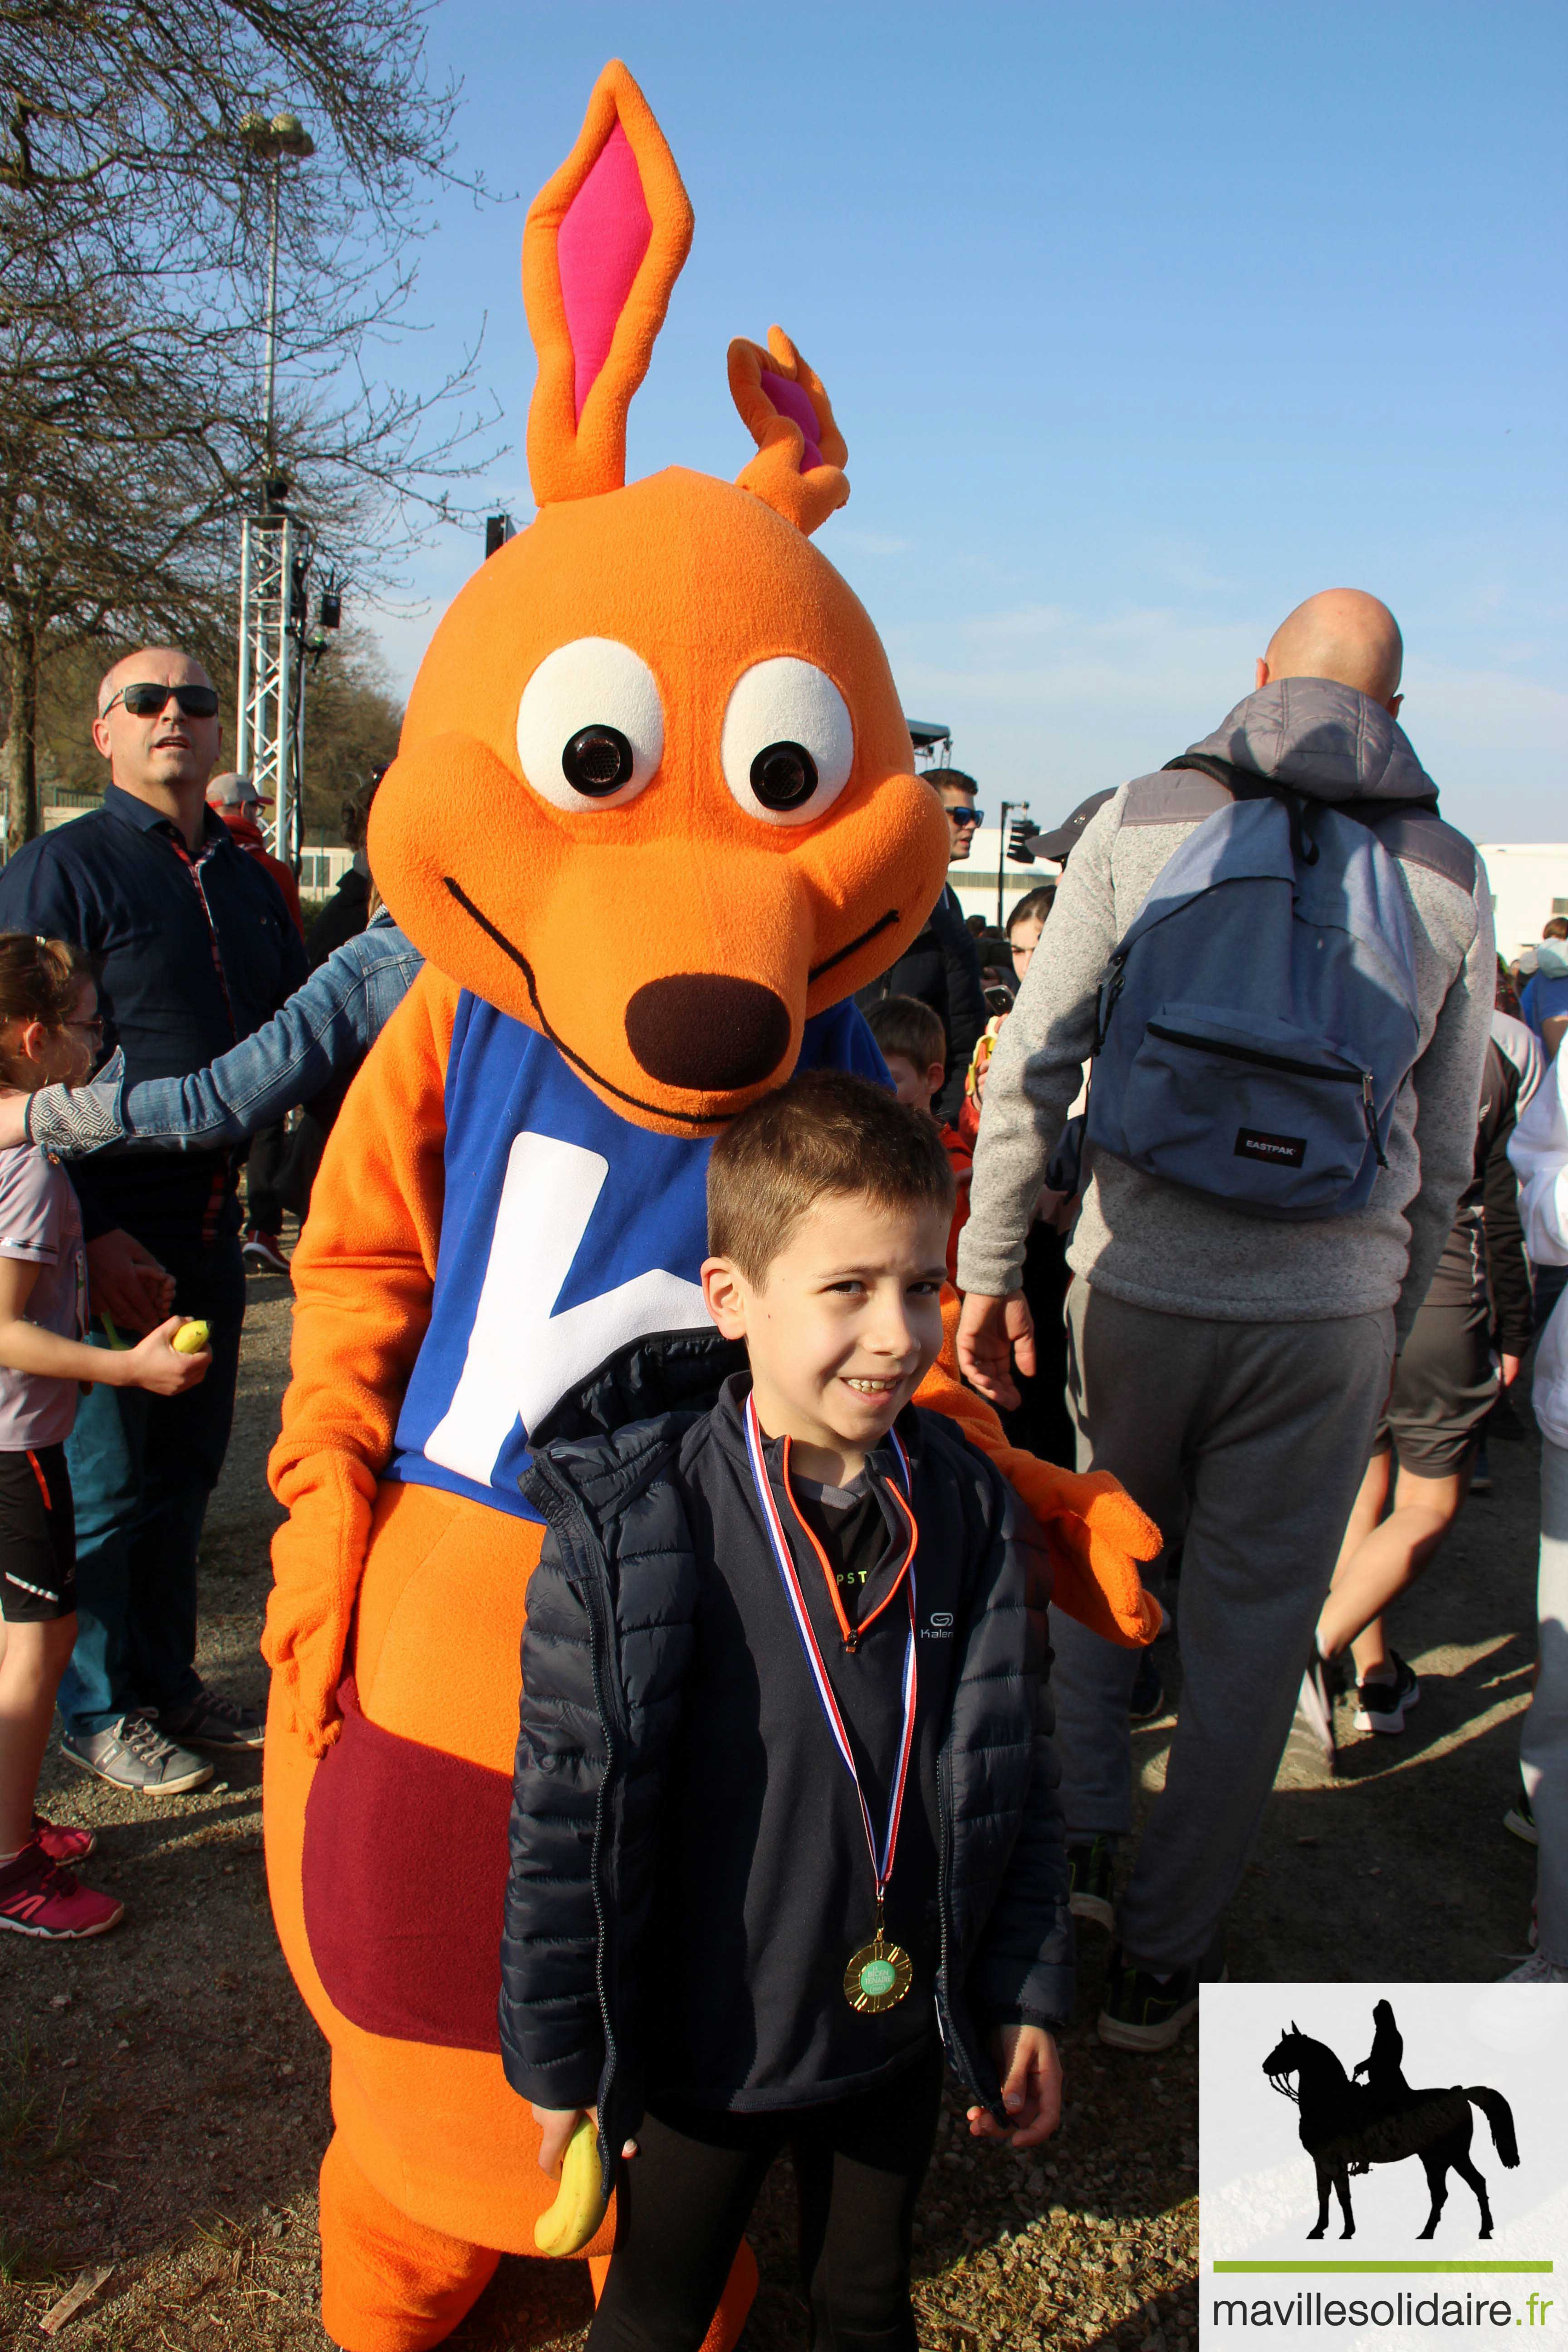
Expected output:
{"points": [[1258, 1018]]}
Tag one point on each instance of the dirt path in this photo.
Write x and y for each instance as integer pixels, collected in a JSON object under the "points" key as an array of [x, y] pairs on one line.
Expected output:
{"points": [[163, 2099]]}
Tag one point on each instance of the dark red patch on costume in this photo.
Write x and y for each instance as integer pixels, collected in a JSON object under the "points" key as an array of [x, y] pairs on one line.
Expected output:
{"points": [[405, 1880]]}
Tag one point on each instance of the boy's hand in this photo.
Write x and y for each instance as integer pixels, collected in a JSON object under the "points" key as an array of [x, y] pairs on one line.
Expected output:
{"points": [[1031, 2076], [556, 2126]]}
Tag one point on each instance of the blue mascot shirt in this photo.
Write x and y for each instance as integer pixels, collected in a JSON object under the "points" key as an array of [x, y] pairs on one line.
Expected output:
{"points": [[566, 1233]]}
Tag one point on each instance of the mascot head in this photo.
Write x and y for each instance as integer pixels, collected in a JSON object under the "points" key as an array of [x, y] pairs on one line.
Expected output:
{"points": [[655, 795]]}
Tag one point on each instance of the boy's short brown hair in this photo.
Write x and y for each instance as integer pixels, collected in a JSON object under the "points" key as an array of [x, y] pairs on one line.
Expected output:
{"points": [[825, 1134], [903, 1026]]}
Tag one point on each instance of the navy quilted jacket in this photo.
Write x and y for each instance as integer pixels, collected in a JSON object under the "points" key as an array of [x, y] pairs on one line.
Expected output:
{"points": [[608, 1646]]}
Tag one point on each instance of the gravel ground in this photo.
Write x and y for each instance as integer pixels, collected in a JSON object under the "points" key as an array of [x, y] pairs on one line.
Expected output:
{"points": [[163, 2093]]}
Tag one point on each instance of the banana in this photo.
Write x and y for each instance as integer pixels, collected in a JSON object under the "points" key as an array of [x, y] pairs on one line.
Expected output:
{"points": [[190, 1339], [579, 2206]]}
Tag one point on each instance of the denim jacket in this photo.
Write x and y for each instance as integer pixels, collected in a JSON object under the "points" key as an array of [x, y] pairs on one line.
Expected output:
{"points": [[323, 1030]]}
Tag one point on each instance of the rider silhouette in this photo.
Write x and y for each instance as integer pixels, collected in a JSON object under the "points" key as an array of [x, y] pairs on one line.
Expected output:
{"points": [[1385, 2075]]}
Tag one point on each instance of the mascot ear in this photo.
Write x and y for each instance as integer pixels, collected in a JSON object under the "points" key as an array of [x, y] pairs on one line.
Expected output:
{"points": [[799, 469], [605, 242]]}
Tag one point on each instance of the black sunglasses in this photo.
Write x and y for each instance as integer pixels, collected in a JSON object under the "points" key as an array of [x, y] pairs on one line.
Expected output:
{"points": [[145, 700], [962, 815]]}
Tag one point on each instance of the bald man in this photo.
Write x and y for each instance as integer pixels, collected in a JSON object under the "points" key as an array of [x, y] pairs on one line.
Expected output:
{"points": [[194, 950], [1230, 1369]]}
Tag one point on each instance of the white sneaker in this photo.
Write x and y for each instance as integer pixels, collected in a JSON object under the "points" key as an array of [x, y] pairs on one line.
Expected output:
{"points": [[1315, 1705], [1539, 1969]]}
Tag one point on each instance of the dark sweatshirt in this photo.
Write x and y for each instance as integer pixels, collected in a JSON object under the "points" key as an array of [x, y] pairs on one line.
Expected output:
{"points": [[192, 955]]}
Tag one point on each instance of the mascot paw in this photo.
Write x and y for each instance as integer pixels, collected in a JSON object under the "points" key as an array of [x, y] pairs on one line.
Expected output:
{"points": [[567, 2227], [1097, 1536], [306, 1709]]}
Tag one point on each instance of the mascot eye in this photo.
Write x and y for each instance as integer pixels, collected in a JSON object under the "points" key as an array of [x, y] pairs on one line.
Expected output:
{"points": [[590, 726], [788, 743], [598, 759]]}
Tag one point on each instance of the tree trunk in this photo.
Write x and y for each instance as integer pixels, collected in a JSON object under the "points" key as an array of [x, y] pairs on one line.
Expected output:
{"points": [[19, 754]]}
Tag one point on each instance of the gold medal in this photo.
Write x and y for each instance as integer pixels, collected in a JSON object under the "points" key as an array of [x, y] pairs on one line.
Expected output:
{"points": [[878, 1975]]}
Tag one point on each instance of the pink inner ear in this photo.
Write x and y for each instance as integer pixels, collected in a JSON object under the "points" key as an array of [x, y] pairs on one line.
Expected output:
{"points": [[598, 252], [793, 400]]}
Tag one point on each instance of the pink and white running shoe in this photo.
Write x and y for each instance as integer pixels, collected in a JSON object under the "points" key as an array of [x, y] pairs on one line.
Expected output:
{"points": [[62, 1841], [39, 1898]]}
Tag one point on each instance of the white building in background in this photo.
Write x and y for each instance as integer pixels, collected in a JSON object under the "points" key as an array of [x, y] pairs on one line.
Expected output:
{"points": [[1530, 885], [976, 879]]}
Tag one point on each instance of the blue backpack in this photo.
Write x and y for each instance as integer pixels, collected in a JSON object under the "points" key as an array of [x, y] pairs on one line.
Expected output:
{"points": [[1259, 1016]]}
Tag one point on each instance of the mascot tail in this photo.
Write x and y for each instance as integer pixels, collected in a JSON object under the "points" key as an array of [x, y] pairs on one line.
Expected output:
{"points": [[1500, 2114]]}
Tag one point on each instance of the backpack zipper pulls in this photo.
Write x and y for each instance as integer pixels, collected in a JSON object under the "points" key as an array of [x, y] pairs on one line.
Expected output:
{"points": [[1110, 989], [1371, 1109]]}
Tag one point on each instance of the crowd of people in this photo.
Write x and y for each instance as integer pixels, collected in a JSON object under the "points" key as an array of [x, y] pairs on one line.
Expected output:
{"points": [[1277, 1287]]}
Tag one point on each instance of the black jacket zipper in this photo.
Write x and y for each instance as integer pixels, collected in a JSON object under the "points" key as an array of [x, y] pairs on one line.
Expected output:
{"points": [[1255, 1055], [567, 1521], [566, 1524], [958, 2050]]}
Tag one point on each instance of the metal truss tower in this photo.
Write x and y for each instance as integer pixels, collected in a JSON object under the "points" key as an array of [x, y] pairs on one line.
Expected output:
{"points": [[273, 561]]}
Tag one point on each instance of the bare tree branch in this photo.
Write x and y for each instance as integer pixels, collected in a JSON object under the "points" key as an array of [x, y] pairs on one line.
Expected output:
{"points": [[133, 231]]}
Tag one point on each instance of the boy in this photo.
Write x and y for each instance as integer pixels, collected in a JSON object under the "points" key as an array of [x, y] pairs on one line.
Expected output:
{"points": [[914, 1046], [784, 1821]]}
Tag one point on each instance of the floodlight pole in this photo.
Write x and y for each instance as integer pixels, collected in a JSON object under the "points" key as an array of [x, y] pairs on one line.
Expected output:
{"points": [[270, 729], [1008, 808], [269, 395]]}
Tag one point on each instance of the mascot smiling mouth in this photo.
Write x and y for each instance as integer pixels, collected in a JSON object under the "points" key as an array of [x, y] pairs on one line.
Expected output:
{"points": [[698, 1031]]}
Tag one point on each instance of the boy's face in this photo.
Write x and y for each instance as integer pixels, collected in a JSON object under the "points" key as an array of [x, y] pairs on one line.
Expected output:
{"points": [[844, 1324], [912, 1085]]}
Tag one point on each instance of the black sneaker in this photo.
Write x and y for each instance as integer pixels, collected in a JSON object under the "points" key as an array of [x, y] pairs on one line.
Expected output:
{"points": [[1379, 1705], [1092, 1867], [214, 1722], [1519, 1818], [134, 1754], [1315, 1705], [1146, 1703], [1144, 2012]]}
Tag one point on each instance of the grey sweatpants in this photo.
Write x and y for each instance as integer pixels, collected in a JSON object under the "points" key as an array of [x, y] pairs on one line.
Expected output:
{"points": [[1245, 1442], [1543, 1742]]}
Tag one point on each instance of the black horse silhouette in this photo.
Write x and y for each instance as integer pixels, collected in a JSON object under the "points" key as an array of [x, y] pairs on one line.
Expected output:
{"points": [[1345, 2128]]}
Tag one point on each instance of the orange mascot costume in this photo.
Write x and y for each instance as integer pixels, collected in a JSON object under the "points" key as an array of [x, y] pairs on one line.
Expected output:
{"points": [[652, 822]]}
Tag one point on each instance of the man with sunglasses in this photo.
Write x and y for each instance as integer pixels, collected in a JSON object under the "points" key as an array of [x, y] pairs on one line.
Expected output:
{"points": [[942, 967], [194, 950]]}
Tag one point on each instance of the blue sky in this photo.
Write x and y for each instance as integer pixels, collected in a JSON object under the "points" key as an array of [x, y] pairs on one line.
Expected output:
{"points": [[1142, 323]]}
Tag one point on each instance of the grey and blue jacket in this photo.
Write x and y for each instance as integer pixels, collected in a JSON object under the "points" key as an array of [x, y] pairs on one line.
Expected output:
{"points": [[1159, 1244], [688, 1873], [316, 1041]]}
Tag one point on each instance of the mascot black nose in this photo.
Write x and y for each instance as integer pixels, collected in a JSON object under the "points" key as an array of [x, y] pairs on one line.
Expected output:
{"points": [[701, 1031]]}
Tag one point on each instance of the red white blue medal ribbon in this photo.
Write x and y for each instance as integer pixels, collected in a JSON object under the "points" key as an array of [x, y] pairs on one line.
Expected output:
{"points": [[882, 1857]]}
